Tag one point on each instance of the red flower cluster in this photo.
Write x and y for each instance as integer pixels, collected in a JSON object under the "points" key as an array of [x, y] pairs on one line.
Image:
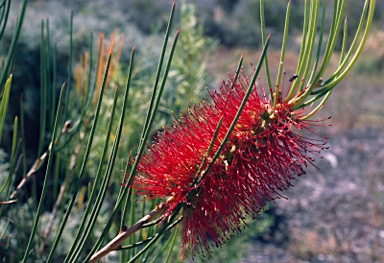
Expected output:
{"points": [[262, 155]]}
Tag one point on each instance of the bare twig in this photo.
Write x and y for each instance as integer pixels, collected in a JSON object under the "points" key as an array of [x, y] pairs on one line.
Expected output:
{"points": [[8, 202], [37, 164]]}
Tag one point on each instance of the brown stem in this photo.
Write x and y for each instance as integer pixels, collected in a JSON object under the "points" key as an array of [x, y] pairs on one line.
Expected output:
{"points": [[31, 172], [37, 164], [115, 243], [8, 202]]}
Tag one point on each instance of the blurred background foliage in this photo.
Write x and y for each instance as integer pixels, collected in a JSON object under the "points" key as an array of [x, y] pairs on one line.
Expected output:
{"points": [[213, 34]]}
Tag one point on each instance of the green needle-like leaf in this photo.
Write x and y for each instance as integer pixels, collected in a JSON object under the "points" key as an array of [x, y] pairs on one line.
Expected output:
{"points": [[46, 178]]}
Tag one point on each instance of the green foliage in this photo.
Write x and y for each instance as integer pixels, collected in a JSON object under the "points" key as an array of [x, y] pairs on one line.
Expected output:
{"points": [[91, 138], [4, 104], [188, 78], [82, 145]]}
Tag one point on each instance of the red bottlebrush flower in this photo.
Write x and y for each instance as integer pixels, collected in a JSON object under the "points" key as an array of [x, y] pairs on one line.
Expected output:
{"points": [[262, 155]]}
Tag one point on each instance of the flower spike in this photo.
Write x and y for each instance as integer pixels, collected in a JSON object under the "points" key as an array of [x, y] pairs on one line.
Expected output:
{"points": [[260, 157]]}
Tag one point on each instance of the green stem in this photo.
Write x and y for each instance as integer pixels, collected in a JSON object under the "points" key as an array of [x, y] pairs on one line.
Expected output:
{"points": [[11, 51], [240, 110], [282, 55], [339, 75], [4, 15], [46, 179], [147, 124], [82, 168], [319, 46], [344, 44], [333, 34], [214, 137], [155, 238], [94, 206], [344, 66], [303, 47], [263, 40], [237, 71], [43, 90], [314, 13], [13, 157], [4, 104]]}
